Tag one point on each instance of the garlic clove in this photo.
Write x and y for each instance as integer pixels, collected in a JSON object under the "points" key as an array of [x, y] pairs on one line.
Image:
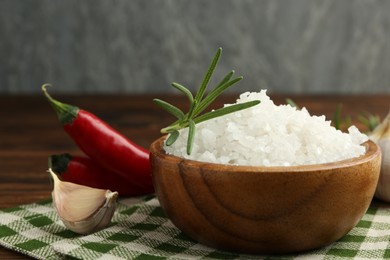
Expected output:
{"points": [[383, 188], [382, 130], [83, 209], [381, 135]]}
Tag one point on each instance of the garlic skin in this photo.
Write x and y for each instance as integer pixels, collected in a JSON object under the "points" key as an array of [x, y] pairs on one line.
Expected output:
{"points": [[381, 136], [83, 209]]}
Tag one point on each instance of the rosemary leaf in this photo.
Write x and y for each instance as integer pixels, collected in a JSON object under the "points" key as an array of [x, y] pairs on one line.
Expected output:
{"points": [[225, 110], [363, 120], [191, 136], [169, 108], [172, 138], [225, 79], [214, 94], [184, 90], [337, 116], [291, 102], [203, 86], [369, 120], [192, 109]]}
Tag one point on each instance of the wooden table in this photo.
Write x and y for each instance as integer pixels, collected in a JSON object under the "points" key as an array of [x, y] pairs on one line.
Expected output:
{"points": [[30, 132]]}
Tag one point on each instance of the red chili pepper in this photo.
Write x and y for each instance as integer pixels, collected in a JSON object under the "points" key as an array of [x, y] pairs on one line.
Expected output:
{"points": [[104, 145], [84, 171]]}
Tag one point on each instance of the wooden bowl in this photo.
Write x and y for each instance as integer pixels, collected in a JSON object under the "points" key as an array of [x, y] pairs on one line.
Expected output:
{"points": [[264, 209]]}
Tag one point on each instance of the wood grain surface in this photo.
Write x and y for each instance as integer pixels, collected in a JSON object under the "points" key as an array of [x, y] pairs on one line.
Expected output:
{"points": [[30, 132], [264, 210]]}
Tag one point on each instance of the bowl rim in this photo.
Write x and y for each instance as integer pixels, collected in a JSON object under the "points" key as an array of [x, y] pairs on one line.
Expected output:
{"points": [[372, 151]]}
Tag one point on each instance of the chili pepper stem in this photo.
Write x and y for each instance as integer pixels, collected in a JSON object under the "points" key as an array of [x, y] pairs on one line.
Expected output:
{"points": [[59, 163], [66, 113]]}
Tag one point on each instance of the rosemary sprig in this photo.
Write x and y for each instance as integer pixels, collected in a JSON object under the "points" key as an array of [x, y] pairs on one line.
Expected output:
{"points": [[340, 122], [369, 120], [337, 116], [198, 104], [291, 102]]}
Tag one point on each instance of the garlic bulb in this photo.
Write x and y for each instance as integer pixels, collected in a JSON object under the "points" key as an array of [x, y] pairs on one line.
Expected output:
{"points": [[381, 135], [83, 209]]}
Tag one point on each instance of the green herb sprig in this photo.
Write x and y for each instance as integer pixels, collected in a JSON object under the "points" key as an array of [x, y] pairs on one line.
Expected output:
{"points": [[291, 102], [369, 120], [198, 104], [339, 121]]}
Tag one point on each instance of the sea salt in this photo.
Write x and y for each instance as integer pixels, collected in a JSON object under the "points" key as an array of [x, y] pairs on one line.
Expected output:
{"points": [[269, 135]]}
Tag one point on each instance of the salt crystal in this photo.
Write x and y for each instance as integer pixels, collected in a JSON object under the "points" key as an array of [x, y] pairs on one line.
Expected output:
{"points": [[269, 135]]}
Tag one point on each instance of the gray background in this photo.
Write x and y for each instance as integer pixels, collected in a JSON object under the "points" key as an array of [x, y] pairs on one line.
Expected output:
{"points": [[140, 46]]}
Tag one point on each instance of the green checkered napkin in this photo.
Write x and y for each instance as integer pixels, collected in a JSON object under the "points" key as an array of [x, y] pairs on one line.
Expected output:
{"points": [[140, 230]]}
